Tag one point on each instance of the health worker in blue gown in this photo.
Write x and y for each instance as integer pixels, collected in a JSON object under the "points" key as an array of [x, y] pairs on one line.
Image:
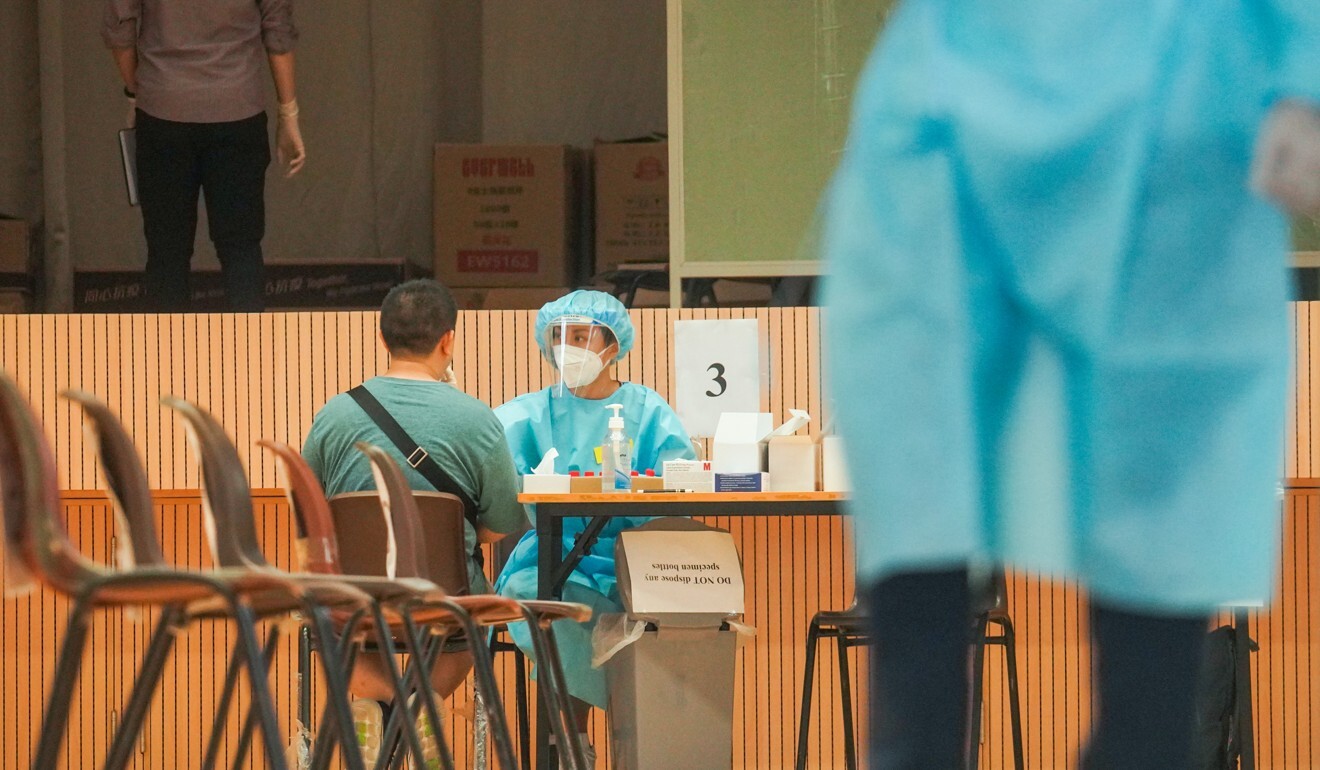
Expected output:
{"points": [[1058, 334], [582, 335]]}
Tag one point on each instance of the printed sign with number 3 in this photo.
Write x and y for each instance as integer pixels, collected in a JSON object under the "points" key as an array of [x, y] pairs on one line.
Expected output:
{"points": [[719, 366]]}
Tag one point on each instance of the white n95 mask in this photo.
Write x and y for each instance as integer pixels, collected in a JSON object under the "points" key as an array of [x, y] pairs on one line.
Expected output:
{"points": [[577, 366]]}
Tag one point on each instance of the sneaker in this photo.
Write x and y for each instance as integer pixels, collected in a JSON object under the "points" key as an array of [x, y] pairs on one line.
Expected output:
{"points": [[369, 724], [430, 744]]}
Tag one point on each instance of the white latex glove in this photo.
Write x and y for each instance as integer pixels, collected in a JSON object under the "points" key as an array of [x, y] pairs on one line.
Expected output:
{"points": [[130, 120], [288, 139], [1286, 168], [449, 375]]}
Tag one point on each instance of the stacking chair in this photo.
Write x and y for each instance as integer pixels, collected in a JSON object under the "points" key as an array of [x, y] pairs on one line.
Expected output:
{"points": [[226, 489], [38, 550], [128, 486], [848, 629], [315, 516], [994, 610], [400, 500]]}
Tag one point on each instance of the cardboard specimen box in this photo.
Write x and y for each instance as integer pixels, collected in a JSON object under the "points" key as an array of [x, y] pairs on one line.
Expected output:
{"points": [[506, 215]]}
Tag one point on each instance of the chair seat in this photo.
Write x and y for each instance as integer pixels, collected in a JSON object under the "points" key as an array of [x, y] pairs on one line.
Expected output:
{"points": [[850, 621], [551, 610]]}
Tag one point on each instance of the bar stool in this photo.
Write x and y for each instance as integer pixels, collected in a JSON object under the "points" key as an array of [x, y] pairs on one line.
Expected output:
{"points": [[994, 609], [848, 629]]}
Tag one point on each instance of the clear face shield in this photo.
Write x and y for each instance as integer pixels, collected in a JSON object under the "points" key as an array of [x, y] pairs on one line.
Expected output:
{"points": [[581, 348]]}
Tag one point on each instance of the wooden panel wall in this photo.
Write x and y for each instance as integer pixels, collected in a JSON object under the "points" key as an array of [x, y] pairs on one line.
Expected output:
{"points": [[265, 376]]}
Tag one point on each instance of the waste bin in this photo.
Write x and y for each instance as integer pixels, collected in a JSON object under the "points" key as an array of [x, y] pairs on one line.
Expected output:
{"points": [[670, 658]]}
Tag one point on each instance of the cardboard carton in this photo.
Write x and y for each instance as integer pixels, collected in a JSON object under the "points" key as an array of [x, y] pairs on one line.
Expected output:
{"points": [[632, 202], [15, 246], [507, 215]]}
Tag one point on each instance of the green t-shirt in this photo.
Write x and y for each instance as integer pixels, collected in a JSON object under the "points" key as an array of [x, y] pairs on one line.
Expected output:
{"points": [[461, 433]]}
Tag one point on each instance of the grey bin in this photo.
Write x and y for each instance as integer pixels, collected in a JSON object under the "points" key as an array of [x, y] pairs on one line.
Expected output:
{"points": [[671, 691]]}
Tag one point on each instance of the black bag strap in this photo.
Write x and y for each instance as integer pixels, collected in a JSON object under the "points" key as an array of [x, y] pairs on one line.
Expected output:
{"points": [[417, 457]]}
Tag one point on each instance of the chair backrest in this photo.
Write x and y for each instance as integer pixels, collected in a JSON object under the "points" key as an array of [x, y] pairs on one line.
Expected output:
{"points": [[311, 510], [230, 526], [37, 545], [126, 481], [428, 527], [358, 521]]}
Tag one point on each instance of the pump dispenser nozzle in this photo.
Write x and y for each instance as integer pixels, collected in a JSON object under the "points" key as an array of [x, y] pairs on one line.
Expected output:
{"points": [[616, 421]]}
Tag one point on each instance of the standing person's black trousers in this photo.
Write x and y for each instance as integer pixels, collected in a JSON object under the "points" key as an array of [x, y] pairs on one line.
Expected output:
{"points": [[228, 162], [1146, 670]]}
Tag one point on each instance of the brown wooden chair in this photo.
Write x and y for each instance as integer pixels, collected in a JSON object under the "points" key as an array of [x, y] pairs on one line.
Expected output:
{"points": [[39, 551]]}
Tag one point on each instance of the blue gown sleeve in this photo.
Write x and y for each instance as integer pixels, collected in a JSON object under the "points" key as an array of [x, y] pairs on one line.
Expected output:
{"points": [[1297, 33], [663, 436]]}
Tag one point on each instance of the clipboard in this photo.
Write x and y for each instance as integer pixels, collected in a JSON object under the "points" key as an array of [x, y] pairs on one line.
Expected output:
{"points": [[128, 153]]}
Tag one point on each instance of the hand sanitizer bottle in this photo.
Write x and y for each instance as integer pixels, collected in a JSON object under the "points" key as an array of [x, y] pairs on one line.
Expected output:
{"points": [[616, 455]]}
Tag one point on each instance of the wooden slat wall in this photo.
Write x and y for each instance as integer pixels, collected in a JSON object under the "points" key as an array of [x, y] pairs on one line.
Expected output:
{"points": [[265, 376]]}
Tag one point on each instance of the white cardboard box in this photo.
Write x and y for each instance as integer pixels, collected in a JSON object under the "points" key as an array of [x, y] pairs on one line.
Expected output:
{"points": [[793, 463], [738, 444]]}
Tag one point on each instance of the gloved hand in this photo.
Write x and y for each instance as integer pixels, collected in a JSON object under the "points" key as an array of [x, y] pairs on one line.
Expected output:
{"points": [[130, 120], [1286, 167], [449, 375], [288, 139]]}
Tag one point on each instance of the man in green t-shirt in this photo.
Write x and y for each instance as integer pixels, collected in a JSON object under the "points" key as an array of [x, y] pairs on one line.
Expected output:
{"points": [[459, 432]]}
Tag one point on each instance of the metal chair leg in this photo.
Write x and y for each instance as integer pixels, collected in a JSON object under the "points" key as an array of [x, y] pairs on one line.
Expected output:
{"points": [[1014, 705], [216, 736], [973, 758], [486, 684], [554, 691], [524, 709], [61, 691], [808, 680], [327, 729], [845, 701], [261, 696], [422, 669], [250, 719], [388, 658], [144, 686]]}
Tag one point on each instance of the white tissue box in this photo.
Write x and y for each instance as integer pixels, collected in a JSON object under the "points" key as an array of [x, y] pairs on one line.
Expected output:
{"points": [[545, 484]]}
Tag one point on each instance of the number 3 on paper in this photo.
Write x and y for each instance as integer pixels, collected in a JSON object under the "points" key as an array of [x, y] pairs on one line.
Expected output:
{"points": [[719, 366]]}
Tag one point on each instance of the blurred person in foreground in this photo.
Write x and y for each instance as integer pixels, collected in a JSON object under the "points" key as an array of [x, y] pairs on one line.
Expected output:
{"points": [[1058, 335]]}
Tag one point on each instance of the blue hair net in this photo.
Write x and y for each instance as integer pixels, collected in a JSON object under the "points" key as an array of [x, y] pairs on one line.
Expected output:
{"points": [[585, 307]]}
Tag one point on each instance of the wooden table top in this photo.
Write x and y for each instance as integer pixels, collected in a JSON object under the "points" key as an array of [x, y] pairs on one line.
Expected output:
{"points": [[684, 497]]}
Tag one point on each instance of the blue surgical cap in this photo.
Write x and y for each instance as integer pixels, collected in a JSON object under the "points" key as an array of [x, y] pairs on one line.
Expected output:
{"points": [[585, 307]]}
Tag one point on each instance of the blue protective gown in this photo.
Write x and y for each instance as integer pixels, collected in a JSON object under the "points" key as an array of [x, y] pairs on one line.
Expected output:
{"points": [[1057, 319], [533, 424]]}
